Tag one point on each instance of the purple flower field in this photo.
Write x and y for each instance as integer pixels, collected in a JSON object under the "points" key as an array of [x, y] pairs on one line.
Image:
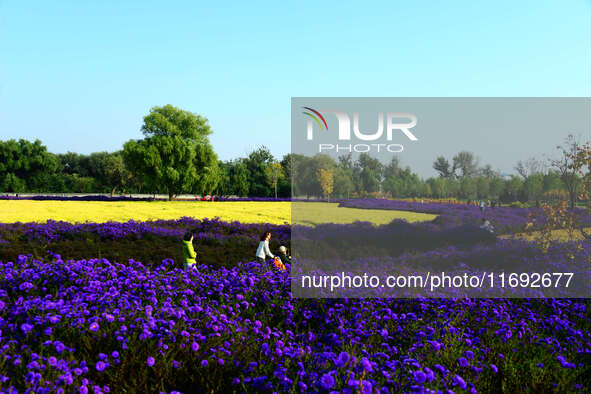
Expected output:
{"points": [[94, 326], [99, 325], [505, 220]]}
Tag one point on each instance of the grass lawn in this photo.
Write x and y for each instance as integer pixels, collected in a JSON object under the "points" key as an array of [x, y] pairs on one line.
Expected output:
{"points": [[310, 213], [247, 212]]}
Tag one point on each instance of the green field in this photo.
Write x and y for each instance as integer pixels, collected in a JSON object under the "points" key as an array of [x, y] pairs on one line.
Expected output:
{"points": [[311, 213]]}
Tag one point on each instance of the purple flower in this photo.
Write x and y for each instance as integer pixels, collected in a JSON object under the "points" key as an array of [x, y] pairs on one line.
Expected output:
{"points": [[100, 366], [26, 327], [94, 327], [342, 359], [194, 346], [204, 363], [52, 361], [463, 362], [459, 381], [327, 381], [419, 376], [494, 368], [150, 361], [366, 364], [366, 387], [59, 347]]}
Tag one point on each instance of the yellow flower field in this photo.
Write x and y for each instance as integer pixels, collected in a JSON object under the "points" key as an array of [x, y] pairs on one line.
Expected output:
{"points": [[247, 212]]}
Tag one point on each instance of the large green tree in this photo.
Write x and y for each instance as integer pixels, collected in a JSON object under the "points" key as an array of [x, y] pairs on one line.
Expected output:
{"points": [[113, 171], [25, 166], [257, 163], [175, 156]]}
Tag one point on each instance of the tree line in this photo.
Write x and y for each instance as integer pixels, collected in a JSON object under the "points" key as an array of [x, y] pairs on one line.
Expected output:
{"points": [[176, 157], [367, 176]]}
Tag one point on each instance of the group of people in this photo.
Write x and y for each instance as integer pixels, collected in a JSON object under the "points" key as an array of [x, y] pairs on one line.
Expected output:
{"points": [[483, 204], [263, 251]]}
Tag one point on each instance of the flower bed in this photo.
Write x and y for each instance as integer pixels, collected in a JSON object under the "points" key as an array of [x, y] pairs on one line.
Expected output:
{"points": [[505, 220], [96, 325]]}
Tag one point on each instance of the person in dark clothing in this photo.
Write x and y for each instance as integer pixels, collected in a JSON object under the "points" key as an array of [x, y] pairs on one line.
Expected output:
{"points": [[285, 259]]}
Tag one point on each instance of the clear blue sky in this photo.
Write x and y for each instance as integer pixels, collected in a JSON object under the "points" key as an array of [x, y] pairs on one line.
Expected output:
{"points": [[81, 75]]}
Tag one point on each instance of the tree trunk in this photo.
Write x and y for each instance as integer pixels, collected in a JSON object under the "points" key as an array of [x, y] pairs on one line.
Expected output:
{"points": [[113, 191]]}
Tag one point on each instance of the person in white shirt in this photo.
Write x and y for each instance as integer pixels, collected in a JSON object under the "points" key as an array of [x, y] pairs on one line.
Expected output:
{"points": [[486, 225], [263, 250]]}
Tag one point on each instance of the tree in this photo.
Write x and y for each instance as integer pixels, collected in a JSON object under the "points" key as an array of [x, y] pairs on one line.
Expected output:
{"points": [[306, 181], [496, 187], [239, 177], [487, 172], [482, 187], [224, 187], [175, 156], [468, 188], [567, 168], [442, 166], [257, 163], [533, 186], [274, 173], [529, 167], [326, 181], [285, 183], [512, 188], [370, 173], [114, 171], [575, 157], [437, 186], [25, 166], [343, 182], [467, 164], [552, 181]]}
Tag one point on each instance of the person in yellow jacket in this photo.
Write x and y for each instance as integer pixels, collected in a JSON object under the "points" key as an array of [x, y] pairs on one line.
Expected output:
{"points": [[189, 254]]}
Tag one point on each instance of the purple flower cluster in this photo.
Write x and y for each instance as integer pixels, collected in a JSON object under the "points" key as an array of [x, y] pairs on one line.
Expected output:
{"points": [[505, 220], [53, 231], [88, 325]]}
